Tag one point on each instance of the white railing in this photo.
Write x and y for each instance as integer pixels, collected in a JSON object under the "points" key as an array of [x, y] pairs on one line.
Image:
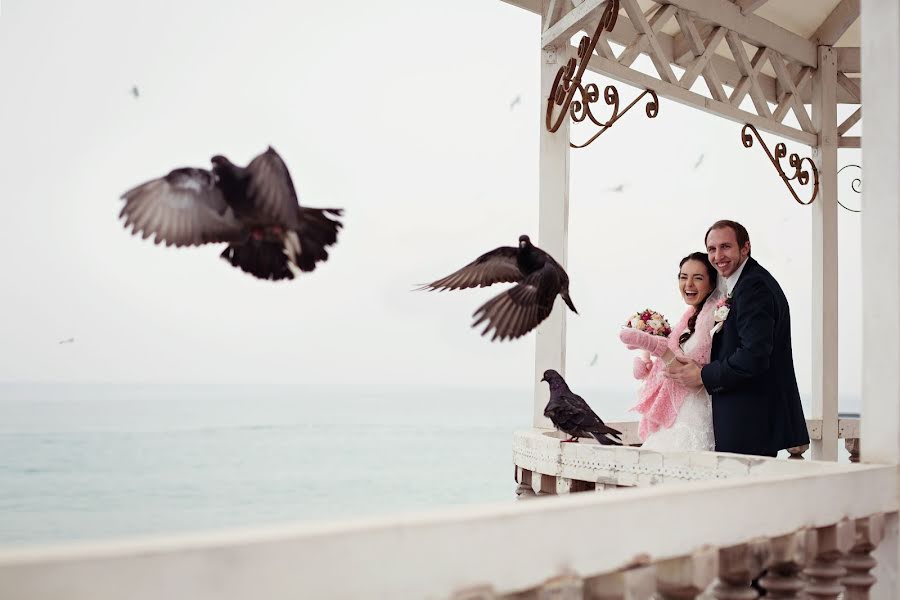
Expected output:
{"points": [[789, 515]]}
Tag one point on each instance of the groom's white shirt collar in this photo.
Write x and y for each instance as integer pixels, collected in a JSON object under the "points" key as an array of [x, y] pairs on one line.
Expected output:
{"points": [[731, 280]]}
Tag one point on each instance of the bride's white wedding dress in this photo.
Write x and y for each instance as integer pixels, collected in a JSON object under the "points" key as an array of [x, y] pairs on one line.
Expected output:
{"points": [[693, 426]]}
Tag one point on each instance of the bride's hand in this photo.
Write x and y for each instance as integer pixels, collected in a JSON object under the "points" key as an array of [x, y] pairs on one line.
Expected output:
{"points": [[634, 339]]}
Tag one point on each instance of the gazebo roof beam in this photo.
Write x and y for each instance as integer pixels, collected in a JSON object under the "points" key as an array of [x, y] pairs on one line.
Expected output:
{"points": [[754, 29], [748, 6], [678, 94], [570, 23], [848, 59], [841, 18], [624, 34]]}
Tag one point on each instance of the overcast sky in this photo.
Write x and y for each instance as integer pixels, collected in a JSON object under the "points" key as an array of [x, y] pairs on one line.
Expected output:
{"points": [[398, 111]]}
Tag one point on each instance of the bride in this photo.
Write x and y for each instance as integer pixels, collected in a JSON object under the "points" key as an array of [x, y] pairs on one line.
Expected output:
{"points": [[673, 417]]}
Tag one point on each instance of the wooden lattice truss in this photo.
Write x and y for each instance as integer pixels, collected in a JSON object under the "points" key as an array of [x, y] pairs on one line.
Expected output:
{"points": [[775, 67]]}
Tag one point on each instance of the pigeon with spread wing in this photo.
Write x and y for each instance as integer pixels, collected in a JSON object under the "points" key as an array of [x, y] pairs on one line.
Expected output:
{"points": [[521, 308], [254, 209]]}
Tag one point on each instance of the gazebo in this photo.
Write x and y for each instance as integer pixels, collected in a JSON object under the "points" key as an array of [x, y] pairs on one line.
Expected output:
{"points": [[757, 63], [686, 524]]}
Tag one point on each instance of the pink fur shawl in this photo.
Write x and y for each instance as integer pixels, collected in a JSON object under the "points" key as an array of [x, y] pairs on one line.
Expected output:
{"points": [[660, 399]]}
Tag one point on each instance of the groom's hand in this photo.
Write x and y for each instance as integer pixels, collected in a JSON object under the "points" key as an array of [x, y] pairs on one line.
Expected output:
{"points": [[685, 372]]}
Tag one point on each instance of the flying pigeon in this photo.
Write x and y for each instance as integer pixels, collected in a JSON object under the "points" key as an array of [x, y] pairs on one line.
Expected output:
{"points": [[698, 163], [135, 91], [594, 360], [516, 100], [571, 414], [618, 189], [254, 209], [521, 308], [67, 341]]}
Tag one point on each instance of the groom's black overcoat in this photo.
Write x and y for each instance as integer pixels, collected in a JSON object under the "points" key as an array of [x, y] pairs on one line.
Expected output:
{"points": [[755, 400]]}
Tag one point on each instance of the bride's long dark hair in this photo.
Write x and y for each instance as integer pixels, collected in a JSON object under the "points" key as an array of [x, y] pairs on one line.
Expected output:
{"points": [[700, 257]]}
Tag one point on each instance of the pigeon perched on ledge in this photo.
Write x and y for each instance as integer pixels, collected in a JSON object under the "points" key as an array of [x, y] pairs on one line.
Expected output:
{"points": [[519, 309], [254, 209], [570, 414]]}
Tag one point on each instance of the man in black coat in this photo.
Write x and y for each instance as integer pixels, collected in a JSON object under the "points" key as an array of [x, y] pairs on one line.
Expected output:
{"points": [[755, 400]]}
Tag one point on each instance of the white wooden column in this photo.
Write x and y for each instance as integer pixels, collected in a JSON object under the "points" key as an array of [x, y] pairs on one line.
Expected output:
{"points": [[880, 422], [553, 220], [825, 259], [880, 419]]}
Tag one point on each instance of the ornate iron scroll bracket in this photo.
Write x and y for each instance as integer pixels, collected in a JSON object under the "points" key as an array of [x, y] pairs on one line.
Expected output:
{"points": [[581, 109], [568, 82], [855, 185], [800, 175]]}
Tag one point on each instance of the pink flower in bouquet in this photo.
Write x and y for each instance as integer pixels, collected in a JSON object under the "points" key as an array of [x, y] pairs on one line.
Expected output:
{"points": [[649, 321]]}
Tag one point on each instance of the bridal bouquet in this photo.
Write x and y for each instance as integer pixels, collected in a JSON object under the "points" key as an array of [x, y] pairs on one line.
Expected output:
{"points": [[649, 321]]}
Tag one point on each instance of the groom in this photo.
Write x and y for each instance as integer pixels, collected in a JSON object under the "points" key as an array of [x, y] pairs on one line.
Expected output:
{"points": [[755, 401]]}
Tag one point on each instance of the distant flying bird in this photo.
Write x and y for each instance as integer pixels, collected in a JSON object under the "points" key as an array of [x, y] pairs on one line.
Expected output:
{"points": [[254, 209], [619, 188], [67, 341], [515, 101], [570, 414], [699, 162], [135, 91], [521, 308], [594, 360]]}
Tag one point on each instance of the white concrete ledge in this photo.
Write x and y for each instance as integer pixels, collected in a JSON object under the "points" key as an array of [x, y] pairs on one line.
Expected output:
{"points": [[511, 546]]}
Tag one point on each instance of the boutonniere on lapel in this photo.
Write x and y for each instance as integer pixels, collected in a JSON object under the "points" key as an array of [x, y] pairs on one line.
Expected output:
{"points": [[723, 307]]}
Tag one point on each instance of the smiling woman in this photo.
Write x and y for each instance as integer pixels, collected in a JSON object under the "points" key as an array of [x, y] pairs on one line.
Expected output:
{"points": [[673, 417]]}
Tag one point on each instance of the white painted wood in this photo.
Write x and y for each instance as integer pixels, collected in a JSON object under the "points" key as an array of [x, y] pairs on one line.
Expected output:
{"points": [[852, 86], [703, 51], [756, 30], [678, 94], [848, 59], [506, 546], [682, 50], [848, 428], [554, 8], [553, 232], [824, 314], [659, 58], [748, 6], [880, 423], [625, 33], [791, 99], [756, 65], [792, 96], [841, 18], [880, 427], [641, 43], [746, 67], [559, 33], [850, 121]]}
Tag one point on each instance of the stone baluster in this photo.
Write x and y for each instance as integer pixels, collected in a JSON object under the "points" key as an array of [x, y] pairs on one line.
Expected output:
{"points": [[523, 478], [859, 561], [796, 452], [738, 567], [852, 446], [685, 578], [564, 485], [638, 583], [824, 575], [789, 555]]}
